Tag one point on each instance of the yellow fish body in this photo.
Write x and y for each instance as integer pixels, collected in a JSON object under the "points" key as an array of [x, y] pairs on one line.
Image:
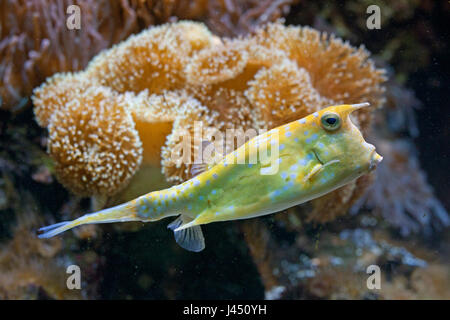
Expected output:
{"points": [[281, 168]]}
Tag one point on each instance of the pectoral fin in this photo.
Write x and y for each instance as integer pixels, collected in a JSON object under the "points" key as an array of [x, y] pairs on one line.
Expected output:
{"points": [[318, 167], [313, 172]]}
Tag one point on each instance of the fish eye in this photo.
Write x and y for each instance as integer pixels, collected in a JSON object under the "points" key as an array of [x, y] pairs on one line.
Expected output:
{"points": [[331, 121]]}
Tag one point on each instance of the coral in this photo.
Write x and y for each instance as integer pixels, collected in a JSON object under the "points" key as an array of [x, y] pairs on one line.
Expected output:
{"points": [[175, 164], [30, 268], [55, 93], [154, 116], [94, 143], [238, 17], [159, 56], [337, 70], [401, 193], [283, 93], [334, 266], [35, 42], [217, 63]]}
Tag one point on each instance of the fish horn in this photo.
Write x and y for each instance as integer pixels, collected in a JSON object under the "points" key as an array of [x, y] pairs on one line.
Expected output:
{"points": [[346, 109]]}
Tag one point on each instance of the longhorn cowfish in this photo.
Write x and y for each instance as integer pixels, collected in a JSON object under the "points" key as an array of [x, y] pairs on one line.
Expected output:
{"points": [[308, 158]]}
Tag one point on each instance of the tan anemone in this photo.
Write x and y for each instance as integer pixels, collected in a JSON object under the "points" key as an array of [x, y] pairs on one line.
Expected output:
{"points": [[284, 93], [94, 144], [152, 60], [338, 71], [56, 92]]}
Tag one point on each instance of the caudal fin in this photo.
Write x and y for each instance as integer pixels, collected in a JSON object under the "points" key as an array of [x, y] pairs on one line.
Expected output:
{"points": [[121, 213], [54, 229]]}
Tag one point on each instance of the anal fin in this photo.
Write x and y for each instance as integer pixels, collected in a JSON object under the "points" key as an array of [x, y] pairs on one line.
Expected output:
{"points": [[190, 238]]}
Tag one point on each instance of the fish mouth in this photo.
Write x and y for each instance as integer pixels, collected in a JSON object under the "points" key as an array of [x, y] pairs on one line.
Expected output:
{"points": [[375, 159]]}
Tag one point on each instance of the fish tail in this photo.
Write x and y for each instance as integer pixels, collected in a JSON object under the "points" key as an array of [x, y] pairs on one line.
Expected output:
{"points": [[121, 213]]}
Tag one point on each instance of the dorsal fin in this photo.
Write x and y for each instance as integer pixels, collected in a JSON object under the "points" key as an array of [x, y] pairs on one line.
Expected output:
{"points": [[190, 238]]}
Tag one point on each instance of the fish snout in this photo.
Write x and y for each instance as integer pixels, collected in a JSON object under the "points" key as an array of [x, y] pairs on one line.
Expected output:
{"points": [[375, 159]]}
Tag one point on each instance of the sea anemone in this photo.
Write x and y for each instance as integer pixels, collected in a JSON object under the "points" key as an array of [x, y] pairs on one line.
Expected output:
{"points": [[337, 70], [35, 41], [240, 17], [284, 93], [55, 93], [159, 55], [94, 143]]}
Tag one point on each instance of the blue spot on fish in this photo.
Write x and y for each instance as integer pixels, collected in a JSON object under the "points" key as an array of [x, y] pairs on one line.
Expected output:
{"points": [[290, 184]]}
